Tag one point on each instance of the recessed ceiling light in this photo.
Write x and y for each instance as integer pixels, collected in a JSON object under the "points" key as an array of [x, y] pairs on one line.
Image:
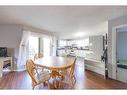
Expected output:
{"points": [[80, 34]]}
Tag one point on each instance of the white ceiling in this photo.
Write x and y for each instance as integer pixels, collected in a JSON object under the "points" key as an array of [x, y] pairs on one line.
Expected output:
{"points": [[66, 21]]}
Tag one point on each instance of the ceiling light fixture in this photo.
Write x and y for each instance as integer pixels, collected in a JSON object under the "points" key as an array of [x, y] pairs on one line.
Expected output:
{"points": [[80, 34]]}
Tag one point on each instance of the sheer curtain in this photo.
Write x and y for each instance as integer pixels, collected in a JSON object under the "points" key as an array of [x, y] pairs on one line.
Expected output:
{"points": [[23, 49], [53, 45]]}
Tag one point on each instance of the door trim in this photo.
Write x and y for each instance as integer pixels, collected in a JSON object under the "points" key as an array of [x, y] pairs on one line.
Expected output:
{"points": [[114, 64]]}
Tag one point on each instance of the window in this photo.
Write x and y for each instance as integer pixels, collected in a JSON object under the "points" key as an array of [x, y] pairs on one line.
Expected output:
{"points": [[33, 46]]}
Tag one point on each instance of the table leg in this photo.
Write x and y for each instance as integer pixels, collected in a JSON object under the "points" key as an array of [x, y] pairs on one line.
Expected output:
{"points": [[11, 64], [1, 68], [56, 82]]}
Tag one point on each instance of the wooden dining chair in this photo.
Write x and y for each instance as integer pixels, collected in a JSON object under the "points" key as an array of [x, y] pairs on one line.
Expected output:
{"points": [[37, 78], [72, 73], [68, 75], [38, 55]]}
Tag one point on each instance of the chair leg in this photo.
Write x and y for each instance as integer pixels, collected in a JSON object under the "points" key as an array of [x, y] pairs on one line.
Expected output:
{"points": [[33, 87], [73, 81], [48, 85], [54, 83], [59, 84], [44, 83]]}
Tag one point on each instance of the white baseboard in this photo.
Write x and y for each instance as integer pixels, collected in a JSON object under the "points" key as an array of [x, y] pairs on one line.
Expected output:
{"points": [[8, 70], [95, 69], [19, 70]]}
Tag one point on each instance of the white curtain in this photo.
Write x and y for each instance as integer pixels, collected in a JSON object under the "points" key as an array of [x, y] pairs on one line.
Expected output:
{"points": [[51, 45], [54, 43], [23, 49]]}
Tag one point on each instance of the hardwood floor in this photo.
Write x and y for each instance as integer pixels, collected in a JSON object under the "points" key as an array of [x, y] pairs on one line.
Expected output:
{"points": [[84, 80]]}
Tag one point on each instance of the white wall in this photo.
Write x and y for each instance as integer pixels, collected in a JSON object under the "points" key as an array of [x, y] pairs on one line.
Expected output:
{"points": [[93, 58], [113, 23], [96, 47], [10, 36], [37, 31], [98, 29]]}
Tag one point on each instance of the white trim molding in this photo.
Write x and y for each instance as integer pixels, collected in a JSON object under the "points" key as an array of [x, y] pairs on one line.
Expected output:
{"points": [[114, 60]]}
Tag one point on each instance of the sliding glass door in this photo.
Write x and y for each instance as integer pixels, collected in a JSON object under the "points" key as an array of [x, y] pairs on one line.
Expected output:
{"points": [[39, 45]]}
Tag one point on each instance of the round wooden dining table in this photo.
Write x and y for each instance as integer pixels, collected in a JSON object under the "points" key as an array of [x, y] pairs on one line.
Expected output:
{"points": [[55, 64]]}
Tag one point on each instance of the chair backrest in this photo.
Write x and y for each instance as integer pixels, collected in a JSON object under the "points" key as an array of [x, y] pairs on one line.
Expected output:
{"points": [[73, 68], [38, 55], [30, 67]]}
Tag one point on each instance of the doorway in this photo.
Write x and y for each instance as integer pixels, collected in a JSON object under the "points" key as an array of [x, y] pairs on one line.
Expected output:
{"points": [[121, 54]]}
